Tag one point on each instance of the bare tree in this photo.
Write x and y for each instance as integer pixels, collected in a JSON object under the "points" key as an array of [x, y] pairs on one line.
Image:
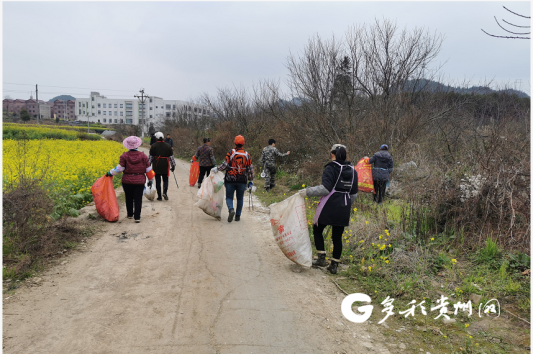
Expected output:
{"points": [[522, 35]]}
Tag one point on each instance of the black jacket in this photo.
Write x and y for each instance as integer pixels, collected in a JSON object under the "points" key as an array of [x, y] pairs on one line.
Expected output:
{"points": [[169, 142], [383, 165], [153, 139], [336, 211], [161, 150]]}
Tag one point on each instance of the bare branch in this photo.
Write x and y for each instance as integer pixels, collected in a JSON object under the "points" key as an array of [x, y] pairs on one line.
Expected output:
{"points": [[504, 36], [511, 24], [507, 30], [515, 13]]}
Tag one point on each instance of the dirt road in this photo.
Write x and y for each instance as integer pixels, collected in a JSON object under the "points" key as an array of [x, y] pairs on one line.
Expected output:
{"points": [[181, 282]]}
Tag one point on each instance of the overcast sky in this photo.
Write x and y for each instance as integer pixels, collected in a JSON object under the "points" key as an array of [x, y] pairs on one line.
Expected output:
{"points": [[179, 50]]}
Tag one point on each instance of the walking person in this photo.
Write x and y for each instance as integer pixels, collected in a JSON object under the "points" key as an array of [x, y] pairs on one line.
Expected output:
{"points": [[133, 165], [338, 190], [268, 155], [239, 170], [206, 160], [383, 166], [162, 160], [169, 141], [153, 138]]}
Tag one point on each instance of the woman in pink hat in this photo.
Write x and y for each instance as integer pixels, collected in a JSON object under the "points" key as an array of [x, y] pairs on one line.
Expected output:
{"points": [[134, 165]]}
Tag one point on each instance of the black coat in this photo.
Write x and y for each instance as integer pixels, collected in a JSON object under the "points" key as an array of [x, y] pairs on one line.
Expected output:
{"points": [[336, 212], [153, 139], [383, 165], [163, 150]]}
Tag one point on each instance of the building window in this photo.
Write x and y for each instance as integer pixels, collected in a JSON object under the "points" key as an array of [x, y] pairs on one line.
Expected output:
{"points": [[79, 104], [121, 121], [168, 114], [93, 99], [98, 105], [94, 114], [150, 107], [168, 107], [174, 107], [122, 113], [84, 112], [115, 105], [129, 120], [156, 106], [92, 106], [150, 116], [129, 105], [128, 113], [103, 120], [121, 105], [115, 120], [104, 105], [80, 112], [110, 113], [115, 113], [99, 112]]}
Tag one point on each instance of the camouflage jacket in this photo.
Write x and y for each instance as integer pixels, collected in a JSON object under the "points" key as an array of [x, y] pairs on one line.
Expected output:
{"points": [[269, 154]]}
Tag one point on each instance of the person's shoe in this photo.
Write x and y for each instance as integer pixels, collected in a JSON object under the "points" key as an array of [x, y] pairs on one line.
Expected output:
{"points": [[231, 214], [237, 218], [199, 185], [159, 199], [320, 262], [137, 221], [129, 217], [165, 196], [267, 189], [333, 266]]}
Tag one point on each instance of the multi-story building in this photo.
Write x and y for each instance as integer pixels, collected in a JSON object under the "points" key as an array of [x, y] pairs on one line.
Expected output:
{"points": [[98, 108], [64, 109], [14, 106]]}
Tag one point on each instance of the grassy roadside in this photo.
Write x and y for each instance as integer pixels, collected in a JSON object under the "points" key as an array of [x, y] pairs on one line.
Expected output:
{"points": [[385, 255]]}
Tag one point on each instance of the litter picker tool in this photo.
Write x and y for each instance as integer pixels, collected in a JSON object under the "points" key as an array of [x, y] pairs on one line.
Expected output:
{"points": [[175, 180]]}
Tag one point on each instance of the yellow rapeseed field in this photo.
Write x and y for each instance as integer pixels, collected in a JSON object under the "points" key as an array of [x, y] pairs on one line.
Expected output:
{"points": [[69, 167]]}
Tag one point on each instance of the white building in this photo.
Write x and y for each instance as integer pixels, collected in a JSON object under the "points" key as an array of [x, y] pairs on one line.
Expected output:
{"points": [[99, 108]]}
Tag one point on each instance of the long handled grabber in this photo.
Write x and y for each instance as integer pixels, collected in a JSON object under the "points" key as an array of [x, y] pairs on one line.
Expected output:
{"points": [[250, 202], [175, 180]]}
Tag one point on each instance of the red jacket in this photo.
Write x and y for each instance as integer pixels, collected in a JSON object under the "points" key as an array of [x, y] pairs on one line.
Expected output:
{"points": [[135, 164]]}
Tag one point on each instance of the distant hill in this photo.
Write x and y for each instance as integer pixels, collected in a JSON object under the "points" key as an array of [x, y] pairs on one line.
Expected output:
{"points": [[430, 85], [63, 98]]}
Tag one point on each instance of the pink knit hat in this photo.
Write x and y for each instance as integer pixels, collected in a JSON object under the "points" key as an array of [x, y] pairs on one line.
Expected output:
{"points": [[132, 142]]}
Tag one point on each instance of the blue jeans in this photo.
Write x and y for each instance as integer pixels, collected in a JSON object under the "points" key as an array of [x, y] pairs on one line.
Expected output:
{"points": [[240, 192]]}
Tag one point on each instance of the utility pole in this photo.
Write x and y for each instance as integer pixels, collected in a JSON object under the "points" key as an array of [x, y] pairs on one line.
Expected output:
{"points": [[142, 98], [37, 99]]}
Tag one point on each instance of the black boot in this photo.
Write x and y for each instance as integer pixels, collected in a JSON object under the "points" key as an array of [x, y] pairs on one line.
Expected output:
{"points": [[320, 260], [165, 195], [333, 266], [267, 189], [231, 214]]}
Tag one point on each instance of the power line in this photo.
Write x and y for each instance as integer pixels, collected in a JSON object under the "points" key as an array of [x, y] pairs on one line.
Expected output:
{"points": [[69, 87]]}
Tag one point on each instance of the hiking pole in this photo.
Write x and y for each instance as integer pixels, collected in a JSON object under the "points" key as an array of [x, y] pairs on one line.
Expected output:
{"points": [[175, 180]]}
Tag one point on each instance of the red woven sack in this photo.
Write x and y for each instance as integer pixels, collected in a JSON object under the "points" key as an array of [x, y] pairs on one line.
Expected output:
{"points": [[365, 176], [105, 199], [194, 172]]}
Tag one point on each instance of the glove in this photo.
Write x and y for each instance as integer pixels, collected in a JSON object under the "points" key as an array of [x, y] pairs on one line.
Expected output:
{"points": [[250, 184], [215, 170], [172, 169], [191, 160], [302, 192], [149, 184], [109, 174]]}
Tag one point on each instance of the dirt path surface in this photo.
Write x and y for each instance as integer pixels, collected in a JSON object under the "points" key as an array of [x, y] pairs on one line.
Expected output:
{"points": [[182, 282]]}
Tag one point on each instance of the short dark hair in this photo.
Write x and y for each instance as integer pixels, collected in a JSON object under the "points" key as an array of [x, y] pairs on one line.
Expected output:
{"points": [[206, 140], [168, 134], [239, 145], [340, 153], [271, 141]]}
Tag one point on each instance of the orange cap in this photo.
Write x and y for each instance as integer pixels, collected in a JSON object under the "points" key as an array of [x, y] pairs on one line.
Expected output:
{"points": [[239, 140]]}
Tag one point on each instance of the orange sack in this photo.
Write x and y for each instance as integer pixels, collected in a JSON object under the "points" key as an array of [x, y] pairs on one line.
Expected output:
{"points": [[105, 198], [194, 172], [365, 176]]}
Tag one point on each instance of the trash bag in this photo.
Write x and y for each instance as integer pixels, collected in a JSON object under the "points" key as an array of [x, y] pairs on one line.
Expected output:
{"points": [[194, 172], [289, 225], [365, 176], [149, 192], [105, 199], [211, 195]]}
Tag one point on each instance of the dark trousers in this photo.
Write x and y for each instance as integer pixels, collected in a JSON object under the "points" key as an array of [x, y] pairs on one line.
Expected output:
{"points": [[380, 190], [204, 171], [239, 190], [270, 174], [165, 184], [134, 199], [337, 233]]}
